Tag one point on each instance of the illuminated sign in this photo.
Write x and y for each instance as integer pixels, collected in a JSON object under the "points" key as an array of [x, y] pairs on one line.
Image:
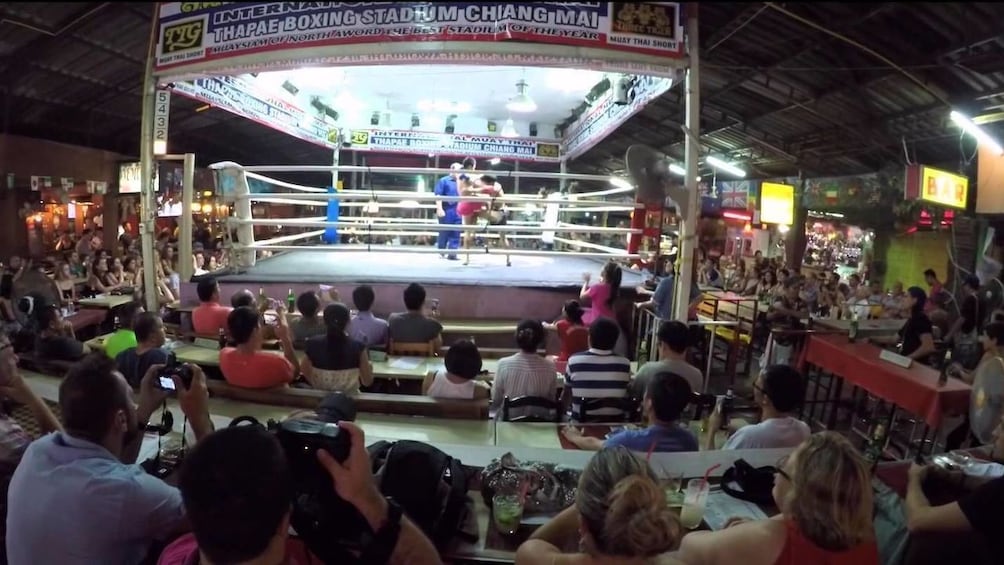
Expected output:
{"points": [[944, 188], [777, 203]]}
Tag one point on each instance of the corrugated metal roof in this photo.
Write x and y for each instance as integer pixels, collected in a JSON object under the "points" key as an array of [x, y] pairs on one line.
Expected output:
{"points": [[816, 87]]}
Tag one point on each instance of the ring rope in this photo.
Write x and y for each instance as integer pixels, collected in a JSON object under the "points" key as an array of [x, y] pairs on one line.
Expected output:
{"points": [[285, 184], [398, 170], [357, 194], [306, 222], [432, 250]]}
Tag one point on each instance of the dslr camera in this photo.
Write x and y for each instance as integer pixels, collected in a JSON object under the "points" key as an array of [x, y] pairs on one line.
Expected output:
{"points": [[165, 380]]}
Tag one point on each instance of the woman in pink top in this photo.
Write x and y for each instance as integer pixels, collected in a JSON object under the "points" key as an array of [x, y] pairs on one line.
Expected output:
{"points": [[602, 295], [823, 489]]}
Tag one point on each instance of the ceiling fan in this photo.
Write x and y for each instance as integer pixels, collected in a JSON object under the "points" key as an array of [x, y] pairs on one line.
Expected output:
{"points": [[649, 169]]}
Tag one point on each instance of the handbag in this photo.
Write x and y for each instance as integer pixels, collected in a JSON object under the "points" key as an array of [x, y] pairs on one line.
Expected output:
{"points": [[749, 483]]}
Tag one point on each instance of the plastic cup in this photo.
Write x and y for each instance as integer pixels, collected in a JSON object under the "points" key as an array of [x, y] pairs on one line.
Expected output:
{"points": [[507, 513], [695, 500]]}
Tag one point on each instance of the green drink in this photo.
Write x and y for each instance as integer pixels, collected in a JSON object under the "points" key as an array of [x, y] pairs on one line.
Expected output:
{"points": [[507, 510]]}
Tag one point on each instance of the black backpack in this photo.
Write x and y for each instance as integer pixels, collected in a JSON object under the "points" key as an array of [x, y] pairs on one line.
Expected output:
{"points": [[429, 485]]}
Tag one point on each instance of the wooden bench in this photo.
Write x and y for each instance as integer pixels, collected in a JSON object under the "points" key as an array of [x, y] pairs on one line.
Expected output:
{"points": [[402, 404], [54, 367]]}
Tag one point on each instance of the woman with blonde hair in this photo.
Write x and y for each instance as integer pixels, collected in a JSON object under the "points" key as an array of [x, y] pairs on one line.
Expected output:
{"points": [[823, 489], [620, 516]]}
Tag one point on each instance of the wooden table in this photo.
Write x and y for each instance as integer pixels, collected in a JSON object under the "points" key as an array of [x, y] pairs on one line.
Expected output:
{"points": [[106, 301], [548, 435], [866, 328], [915, 389]]}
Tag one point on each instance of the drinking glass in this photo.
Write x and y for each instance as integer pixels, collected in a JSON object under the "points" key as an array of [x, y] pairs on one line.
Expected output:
{"points": [[507, 511], [673, 487], [695, 499]]}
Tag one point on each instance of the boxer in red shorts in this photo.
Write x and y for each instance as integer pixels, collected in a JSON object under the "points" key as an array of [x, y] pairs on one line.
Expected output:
{"points": [[471, 212]]}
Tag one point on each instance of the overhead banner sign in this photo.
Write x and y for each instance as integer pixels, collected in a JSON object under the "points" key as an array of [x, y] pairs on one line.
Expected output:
{"points": [[607, 114], [192, 34], [424, 143], [936, 186], [242, 97]]}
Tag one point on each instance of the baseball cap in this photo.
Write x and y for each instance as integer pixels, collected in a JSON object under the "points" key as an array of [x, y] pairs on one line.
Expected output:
{"points": [[337, 407], [456, 167]]}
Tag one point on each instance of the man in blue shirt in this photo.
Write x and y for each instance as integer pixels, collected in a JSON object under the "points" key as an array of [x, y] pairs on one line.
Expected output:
{"points": [[77, 496], [447, 211], [665, 399]]}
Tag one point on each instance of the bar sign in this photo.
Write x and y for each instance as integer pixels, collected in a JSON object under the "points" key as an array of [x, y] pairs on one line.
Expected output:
{"points": [[161, 117]]}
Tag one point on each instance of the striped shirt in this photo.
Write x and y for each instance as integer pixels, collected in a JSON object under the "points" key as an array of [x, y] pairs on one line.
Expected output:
{"points": [[523, 374], [597, 373]]}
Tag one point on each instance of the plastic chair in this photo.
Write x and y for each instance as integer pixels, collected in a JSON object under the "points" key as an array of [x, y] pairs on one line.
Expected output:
{"points": [[629, 408], [419, 348]]}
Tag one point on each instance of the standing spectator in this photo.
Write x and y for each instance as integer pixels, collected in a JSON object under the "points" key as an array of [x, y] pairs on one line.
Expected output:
{"points": [[414, 326], [134, 362], [366, 327], [209, 317], [84, 248], [125, 336], [526, 373], [572, 333], [8, 315], [245, 364], [78, 497], [448, 240], [965, 332], [598, 372], [778, 391], [931, 278], [674, 338], [786, 313], [335, 361], [603, 295]]}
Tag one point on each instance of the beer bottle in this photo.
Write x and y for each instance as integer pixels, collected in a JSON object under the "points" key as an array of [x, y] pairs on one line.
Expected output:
{"points": [[875, 447], [290, 301], [852, 333], [223, 338]]}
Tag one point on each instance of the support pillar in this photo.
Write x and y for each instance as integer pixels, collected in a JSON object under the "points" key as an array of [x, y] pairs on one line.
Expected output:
{"points": [[185, 267], [692, 148]]}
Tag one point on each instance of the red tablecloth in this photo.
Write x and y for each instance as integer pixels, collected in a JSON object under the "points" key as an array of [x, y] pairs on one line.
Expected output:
{"points": [[915, 389]]}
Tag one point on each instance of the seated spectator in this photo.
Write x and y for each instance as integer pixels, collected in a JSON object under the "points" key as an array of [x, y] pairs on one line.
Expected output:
{"points": [[525, 373], [572, 333], [977, 511], [778, 390], [667, 396], [245, 364], [56, 340], [620, 516], [78, 497], [674, 338], [414, 326], [242, 297], [134, 362], [309, 324], [209, 317], [125, 336], [986, 402], [366, 327], [99, 281], [8, 315], [458, 379], [14, 439], [336, 361], [824, 492], [241, 517], [597, 372]]}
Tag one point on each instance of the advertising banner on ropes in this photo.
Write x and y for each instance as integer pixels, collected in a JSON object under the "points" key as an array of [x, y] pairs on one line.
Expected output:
{"points": [[609, 112], [244, 98], [212, 34], [424, 143]]}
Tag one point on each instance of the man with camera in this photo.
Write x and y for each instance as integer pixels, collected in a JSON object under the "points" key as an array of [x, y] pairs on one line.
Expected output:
{"points": [[255, 507], [78, 496]]}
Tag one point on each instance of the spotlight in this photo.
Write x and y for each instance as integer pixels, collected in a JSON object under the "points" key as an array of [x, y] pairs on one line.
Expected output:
{"points": [[450, 128], [533, 129], [414, 121], [375, 119]]}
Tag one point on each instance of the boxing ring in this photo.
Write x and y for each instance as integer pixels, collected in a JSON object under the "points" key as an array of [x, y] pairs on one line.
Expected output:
{"points": [[310, 260], [212, 41]]}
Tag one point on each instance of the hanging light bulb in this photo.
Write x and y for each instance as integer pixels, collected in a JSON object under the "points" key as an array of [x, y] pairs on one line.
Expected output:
{"points": [[509, 129], [522, 102]]}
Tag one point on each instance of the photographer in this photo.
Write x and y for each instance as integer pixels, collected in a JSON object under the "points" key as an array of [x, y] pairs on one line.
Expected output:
{"points": [[254, 508], [78, 496]]}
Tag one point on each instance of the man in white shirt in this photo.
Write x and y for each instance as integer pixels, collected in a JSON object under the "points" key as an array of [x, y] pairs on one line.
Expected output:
{"points": [[778, 390]]}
